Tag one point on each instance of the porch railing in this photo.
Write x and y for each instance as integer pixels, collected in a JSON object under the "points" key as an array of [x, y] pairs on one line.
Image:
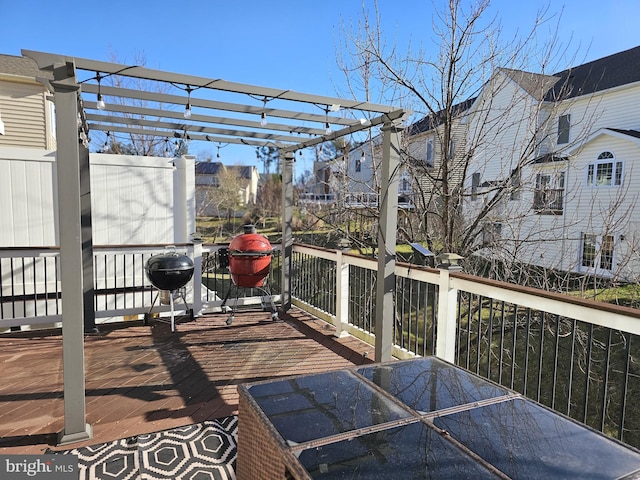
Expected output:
{"points": [[576, 356], [30, 290]]}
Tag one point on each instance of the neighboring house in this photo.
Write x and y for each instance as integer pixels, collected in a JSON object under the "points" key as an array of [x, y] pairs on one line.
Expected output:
{"points": [[569, 146], [563, 150], [26, 114], [210, 175]]}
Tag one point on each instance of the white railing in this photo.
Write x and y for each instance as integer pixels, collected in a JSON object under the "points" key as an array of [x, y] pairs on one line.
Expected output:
{"points": [[574, 355]]}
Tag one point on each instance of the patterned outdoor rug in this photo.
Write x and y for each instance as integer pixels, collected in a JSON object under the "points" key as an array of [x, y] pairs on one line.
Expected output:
{"points": [[202, 450]]}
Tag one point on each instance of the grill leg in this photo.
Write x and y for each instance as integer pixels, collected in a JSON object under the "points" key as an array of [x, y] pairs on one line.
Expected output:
{"points": [[173, 318], [147, 315]]}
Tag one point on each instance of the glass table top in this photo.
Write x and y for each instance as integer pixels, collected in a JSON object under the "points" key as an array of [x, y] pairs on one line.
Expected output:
{"points": [[419, 419], [318, 406], [429, 384], [413, 451], [525, 440]]}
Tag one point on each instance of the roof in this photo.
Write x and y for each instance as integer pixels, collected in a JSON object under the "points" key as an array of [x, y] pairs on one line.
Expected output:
{"points": [[608, 72], [215, 168], [631, 133], [208, 168], [535, 84], [21, 66], [433, 120]]}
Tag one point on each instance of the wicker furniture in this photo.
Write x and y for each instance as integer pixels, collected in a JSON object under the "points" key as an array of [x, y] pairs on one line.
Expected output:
{"points": [[421, 418]]}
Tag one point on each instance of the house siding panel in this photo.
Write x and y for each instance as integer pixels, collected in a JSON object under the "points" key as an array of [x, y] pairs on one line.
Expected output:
{"points": [[22, 106]]}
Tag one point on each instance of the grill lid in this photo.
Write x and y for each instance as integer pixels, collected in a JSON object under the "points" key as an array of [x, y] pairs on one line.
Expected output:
{"points": [[166, 262]]}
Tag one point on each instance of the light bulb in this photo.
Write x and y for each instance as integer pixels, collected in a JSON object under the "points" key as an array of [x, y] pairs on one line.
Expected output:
{"points": [[327, 128], [100, 104], [263, 119], [187, 110]]}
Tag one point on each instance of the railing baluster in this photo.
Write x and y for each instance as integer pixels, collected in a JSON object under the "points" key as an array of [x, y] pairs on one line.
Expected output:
{"points": [[514, 337], [571, 366], [585, 403], [540, 357], [525, 376], [625, 385], [605, 381], [554, 375]]}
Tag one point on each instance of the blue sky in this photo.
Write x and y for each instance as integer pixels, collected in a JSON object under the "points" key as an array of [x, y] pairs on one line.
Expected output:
{"points": [[277, 43]]}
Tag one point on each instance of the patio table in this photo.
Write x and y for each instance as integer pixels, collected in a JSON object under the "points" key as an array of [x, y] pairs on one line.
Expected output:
{"points": [[422, 418]]}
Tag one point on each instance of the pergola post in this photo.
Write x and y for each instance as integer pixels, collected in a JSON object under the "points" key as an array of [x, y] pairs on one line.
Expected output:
{"points": [[74, 253], [287, 228], [386, 279]]}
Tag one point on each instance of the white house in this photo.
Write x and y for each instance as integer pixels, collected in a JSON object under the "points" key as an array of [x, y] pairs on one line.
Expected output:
{"points": [[568, 144]]}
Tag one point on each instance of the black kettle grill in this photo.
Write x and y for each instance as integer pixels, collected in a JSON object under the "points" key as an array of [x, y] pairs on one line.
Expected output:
{"points": [[169, 272]]}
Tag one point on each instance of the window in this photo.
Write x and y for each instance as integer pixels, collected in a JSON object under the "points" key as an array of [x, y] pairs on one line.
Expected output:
{"points": [[564, 122], [597, 253], [491, 234], [428, 157], [475, 183], [548, 197], [605, 172], [359, 162], [514, 183], [606, 253], [588, 250]]}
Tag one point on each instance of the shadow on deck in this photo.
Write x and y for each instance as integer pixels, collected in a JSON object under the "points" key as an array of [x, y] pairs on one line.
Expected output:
{"points": [[141, 379]]}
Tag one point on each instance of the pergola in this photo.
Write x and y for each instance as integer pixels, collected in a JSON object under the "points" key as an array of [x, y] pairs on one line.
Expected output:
{"points": [[212, 110]]}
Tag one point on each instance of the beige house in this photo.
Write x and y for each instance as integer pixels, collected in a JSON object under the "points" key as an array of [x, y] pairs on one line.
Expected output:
{"points": [[26, 117], [211, 175]]}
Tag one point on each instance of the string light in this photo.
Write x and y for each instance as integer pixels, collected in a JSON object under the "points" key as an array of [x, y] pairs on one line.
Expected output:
{"points": [[187, 110], [263, 116], [101, 105], [327, 127], [106, 142]]}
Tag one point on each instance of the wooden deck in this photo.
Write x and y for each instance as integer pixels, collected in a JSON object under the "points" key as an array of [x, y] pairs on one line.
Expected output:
{"points": [[141, 379]]}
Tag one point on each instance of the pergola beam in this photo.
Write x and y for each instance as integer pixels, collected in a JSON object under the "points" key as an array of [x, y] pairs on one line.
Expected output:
{"points": [[189, 128], [166, 98], [130, 130], [160, 113], [135, 71]]}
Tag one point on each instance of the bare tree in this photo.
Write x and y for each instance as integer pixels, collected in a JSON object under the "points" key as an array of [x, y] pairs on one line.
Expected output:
{"points": [[486, 129], [138, 144]]}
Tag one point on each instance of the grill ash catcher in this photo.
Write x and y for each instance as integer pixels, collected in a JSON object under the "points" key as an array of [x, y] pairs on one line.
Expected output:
{"points": [[248, 259], [169, 272]]}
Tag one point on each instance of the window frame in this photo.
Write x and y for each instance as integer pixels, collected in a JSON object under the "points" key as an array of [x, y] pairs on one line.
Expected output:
{"points": [[564, 129], [549, 190], [615, 177], [599, 258], [429, 153]]}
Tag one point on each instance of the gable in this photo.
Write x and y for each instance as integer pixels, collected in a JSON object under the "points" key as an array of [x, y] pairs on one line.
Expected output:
{"points": [[629, 135]]}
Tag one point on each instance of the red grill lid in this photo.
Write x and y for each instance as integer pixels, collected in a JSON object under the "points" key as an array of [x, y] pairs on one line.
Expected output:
{"points": [[250, 242]]}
